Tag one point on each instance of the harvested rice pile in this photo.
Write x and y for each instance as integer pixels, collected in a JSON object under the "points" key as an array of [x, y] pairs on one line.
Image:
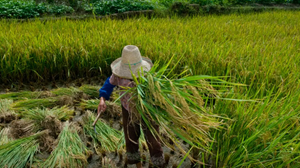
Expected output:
{"points": [[46, 128]]}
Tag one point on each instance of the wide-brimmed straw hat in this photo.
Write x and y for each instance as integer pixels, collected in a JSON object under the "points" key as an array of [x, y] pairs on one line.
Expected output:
{"points": [[131, 60]]}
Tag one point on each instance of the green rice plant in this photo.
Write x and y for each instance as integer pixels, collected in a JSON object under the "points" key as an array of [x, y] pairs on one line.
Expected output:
{"points": [[108, 138], [262, 48], [62, 113], [70, 150], [19, 152]]}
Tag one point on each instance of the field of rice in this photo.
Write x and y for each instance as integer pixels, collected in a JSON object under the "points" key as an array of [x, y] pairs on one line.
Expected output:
{"points": [[260, 119]]}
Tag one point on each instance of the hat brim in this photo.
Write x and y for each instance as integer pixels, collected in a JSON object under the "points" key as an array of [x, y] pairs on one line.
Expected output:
{"points": [[124, 70]]}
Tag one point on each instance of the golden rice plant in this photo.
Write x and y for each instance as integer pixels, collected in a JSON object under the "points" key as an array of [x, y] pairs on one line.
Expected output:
{"points": [[260, 50], [255, 47]]}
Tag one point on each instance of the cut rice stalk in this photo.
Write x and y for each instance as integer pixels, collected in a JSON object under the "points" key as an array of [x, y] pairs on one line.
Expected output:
{"points": [[90, 104], [62, 113], [17, 153], [70, 150], [4, 105], [4, 138], [48, 118], [109, 138], [19, 95], [90, 90], [6, 115], [21, 128], [71, 91], [33, 103]]}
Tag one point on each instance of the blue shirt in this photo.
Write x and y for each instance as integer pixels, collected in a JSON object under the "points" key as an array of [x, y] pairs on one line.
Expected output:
{"points": [[106, 89]]}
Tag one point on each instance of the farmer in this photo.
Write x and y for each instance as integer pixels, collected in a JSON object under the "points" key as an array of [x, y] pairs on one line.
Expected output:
{"points": [[131, 60]]}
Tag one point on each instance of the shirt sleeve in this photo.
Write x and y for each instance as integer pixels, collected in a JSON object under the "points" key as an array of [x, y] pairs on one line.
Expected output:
{"points": [[106, 89]]}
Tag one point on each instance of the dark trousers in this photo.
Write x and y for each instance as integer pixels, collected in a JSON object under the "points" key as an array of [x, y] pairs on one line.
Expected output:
{"points": [[132, 133]]}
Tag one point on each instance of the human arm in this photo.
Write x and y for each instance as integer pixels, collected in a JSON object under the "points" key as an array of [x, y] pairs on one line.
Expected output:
{"points": [[104, 94]]}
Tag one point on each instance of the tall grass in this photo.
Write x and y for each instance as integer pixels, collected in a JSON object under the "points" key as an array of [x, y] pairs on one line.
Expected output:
{"points": [[259, 134], [259, 49]]}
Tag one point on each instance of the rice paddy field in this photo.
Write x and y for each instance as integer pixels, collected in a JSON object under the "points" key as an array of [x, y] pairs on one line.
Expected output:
{"points": [[51, 124]]}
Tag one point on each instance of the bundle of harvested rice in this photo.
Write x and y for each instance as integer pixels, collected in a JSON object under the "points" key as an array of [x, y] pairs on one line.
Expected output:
{"points": [[71, 91], [34, 103], [70, 150], [177, 104], [83, 92], [4, 136], [76, 93], [48, 119], [61, 113], [108, 138], [19, 152], [6, 115], [90, 104], [90, 90], [19, 95], [21, 128]]}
